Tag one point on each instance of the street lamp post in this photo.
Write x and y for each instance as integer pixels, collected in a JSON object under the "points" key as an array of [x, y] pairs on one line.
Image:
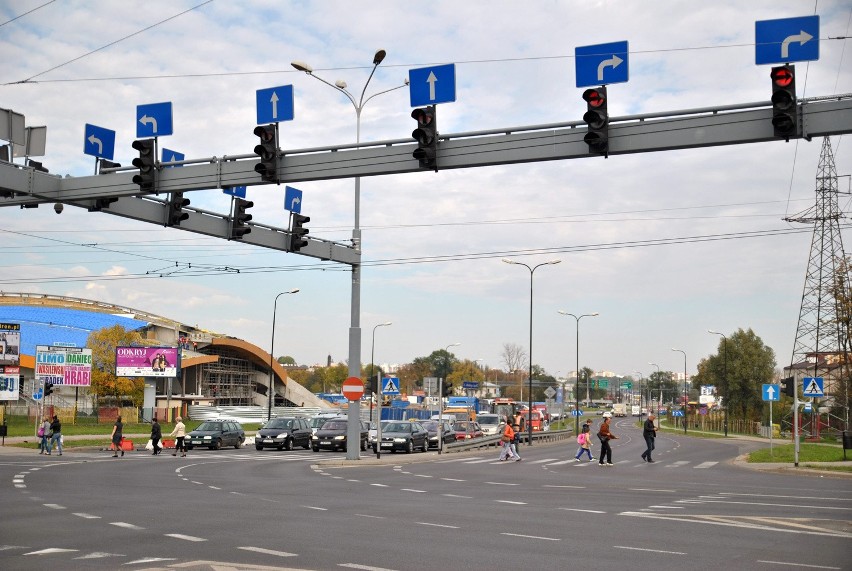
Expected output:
{"points": [[448, 368], [659, 380], [373, 368], [378, 398], [685, 389], [272, 352], [529, 379], [725, 375], [577, 388], [640, 394], [355, 309]]}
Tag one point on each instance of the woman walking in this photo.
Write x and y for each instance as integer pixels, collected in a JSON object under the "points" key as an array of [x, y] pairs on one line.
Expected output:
{"points": [[605, 436], [44, 433], [585, 441], [117, 429], [180, 433], [156, 435]]}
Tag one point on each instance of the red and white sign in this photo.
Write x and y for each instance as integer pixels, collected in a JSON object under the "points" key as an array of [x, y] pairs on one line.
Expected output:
{"points": [[353, 388]]}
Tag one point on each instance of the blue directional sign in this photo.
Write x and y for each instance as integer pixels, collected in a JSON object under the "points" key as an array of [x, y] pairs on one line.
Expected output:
{"points": [[431, 85], [171, 156], [602, 64], [771, 392], [390, 386], [292, 199], [812, 387], [154, 120], [577, 413], [807, 407], [238, 191], [677, 413], [470, 385], [275, 104], [99, 142], [37, 395], [786, 40]]}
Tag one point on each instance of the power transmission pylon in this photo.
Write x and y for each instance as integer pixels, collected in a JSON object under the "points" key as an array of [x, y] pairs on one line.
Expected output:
{"points": [[822, 335]]}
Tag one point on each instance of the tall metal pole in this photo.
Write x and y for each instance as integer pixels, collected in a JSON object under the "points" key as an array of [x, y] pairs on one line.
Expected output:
{"points": [[685, 389], [272, 352], [725, 375], [378, 397], [659, 380], [577, 388]]}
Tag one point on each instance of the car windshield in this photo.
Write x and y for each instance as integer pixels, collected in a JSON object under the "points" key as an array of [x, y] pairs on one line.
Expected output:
{"points": [[334, 425], [398, 427], [430, 425], [483, 419], [210, 426], [279, 423], [463, 426], [318, 422]]}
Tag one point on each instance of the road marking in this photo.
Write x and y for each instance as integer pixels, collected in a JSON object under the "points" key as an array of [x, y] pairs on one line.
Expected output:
{"points": [[411, 490], [267, 551], [667, 507], [364, 567], [651, 550], [316, 508], [450, 461], [795, 497], [705, 465], [20, 485], [763, 504], [372, 516], [544, 460], [457, 496], [7, 547], [54, 506], [356, 481], [677, 464], [563, 486], [502, 484], [86, 516], [531, 536], [797, 564], [98, 555], [50, 550], [713, 520], [650, 490], [579, 510], [150, 560], [423, 476], [380, 485], [125, 525], [480, 461], [557, 463], [453, 480], [436, 524], [184, 537], [199, 483], [511, 502], [18, 480]]}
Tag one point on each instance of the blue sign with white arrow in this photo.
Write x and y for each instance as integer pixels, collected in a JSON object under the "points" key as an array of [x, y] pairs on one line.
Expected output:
{"points": [[812, 387], [601, 64], [154, 120], [431, 85], [99, 142], [238, 191], [170, 156], [292, 199], [786, 40], [390, 386], [275, 104], [577, 413], [677, 413], [771, 392]]}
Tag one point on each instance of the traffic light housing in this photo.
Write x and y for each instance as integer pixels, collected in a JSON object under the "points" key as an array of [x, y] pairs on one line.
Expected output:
{"points": [[267, 150], [784, 119], [426, 135], [48, 388], [238, 226], [446, 389], [105, 164], [145, 163], [597, 119], [101, 203], [298, 232], [176, 215], [789, 385]]}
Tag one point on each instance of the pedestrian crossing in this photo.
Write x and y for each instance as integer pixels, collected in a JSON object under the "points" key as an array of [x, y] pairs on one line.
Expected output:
{"points": [[571, 463]]}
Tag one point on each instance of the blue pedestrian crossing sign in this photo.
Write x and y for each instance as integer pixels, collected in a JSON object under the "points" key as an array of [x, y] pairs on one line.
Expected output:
{"points": [[390, 386], [812, 387], [786, 40], [771, 392]]}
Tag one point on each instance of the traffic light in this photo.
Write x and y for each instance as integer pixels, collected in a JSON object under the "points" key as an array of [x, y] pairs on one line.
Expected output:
{"points": [[48, 388], [597, 118], [267, 150], [784, 120], [176, 204], [238, 226], [789, 384], [426, 135], [105, 164], [101, 203], [35, 165], [298, 233], [145, 164], [446, 389]]}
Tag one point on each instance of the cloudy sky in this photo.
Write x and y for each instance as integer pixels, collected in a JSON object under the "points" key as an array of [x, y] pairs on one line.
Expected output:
{"points": [[95, 61]]}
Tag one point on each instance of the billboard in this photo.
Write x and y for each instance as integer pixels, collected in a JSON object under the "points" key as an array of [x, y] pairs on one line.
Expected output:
{"points": [[10, 355], [64, 366], [9, 383], [146, 361]]}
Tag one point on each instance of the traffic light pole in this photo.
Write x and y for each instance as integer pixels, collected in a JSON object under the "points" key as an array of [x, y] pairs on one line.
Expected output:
{"points": [[795, 425]]}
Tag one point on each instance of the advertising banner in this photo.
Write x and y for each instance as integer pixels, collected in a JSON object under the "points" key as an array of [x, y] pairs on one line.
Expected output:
{"points": [[64, 366], [9, 383], [146, 361], [10, 344]]}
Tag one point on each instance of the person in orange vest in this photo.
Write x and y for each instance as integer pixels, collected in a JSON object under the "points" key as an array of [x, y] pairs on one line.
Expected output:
{"points": [[506, 442]]}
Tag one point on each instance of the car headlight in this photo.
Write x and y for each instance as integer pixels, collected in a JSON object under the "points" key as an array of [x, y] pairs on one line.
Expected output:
{"points": [[340, 437], [207, 437], [399, 439], [468, 436], [282, 435], [314, 437]]}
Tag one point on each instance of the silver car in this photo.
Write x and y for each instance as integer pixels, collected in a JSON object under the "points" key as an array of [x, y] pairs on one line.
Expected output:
{"points": [[491, 424]]}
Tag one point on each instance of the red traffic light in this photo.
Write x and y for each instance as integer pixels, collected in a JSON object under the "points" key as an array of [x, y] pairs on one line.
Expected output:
{"points": [[782, 76], [594, 97]]}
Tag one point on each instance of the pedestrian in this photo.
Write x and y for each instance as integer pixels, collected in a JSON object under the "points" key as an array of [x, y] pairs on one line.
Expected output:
{"points": [[605, 436], [516, 441], [584, 439], [156, 435], [55, 435], [180, 433], [44, 433], [117, 429], [649, 431], [506, 442]]}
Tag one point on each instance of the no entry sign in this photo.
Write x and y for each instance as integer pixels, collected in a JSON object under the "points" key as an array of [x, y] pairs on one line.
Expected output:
{"points": [[353, 388]]}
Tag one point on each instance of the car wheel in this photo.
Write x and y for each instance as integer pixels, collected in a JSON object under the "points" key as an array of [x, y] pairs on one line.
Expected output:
{"points": [[409, 448], [217, 445], [363, 446], [188, 447], [307, 444], [425, 446], [316, 448], [258, 447], [288, 444], [239, 443]]}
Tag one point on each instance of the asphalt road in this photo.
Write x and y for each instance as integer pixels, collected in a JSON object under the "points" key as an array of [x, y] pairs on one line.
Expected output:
{"points": [[244, 509]]}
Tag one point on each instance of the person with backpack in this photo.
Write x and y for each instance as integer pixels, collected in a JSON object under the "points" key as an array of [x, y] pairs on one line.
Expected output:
{"points": [[516, 441], [55, 435], [585, 441], [605, 436]]}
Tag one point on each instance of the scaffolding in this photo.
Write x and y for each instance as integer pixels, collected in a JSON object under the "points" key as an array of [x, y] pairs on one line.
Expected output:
{"points": [[231, 381]]}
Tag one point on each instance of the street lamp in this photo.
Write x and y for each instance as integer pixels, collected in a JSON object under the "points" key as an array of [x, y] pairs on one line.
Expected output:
{"points": [[577, 388], [357, 421], [272, 352], [685, 389], [640, 394], [373, 367], [725, 375], [448, 368], [659, 380], [355, 309]]}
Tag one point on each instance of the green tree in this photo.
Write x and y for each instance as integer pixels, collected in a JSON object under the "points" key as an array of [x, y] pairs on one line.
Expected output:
{"points": [[286, 360], [466, 370], [105, 384]]}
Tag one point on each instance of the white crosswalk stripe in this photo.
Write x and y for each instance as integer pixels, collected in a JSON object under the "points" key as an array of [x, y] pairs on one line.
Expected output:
{"points": [[561, 462], [543, 460], [677, 464], [706, 465]]}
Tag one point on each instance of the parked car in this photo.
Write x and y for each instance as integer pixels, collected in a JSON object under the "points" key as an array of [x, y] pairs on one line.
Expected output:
{"points": [[215, 434], [283, 433], [432, 427], [466, 429], [403, 435], [371, 435], [332, 435], [491, 423], [317, 421]]}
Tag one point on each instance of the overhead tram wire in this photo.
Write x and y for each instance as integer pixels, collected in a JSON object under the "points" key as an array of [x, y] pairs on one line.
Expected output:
{"points": [[27, 12]]}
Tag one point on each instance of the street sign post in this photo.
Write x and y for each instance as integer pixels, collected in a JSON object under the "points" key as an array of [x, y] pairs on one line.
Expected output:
{"points": [[812, 387], [601, 64], [577, 412], [786, 40], [153, 120], [99, 142], [353, 388], [431, 85], [238, 191], [275, 104], [292, 199]]}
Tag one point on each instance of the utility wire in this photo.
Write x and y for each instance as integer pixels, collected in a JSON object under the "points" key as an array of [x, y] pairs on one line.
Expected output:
{"points": [[25, 13]]}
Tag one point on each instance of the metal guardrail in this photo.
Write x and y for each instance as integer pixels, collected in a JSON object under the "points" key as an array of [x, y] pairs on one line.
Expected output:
{"points": [[488, 441]]}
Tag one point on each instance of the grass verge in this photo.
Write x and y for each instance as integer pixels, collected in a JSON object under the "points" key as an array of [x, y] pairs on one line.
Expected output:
{"points": [[807, 453]]}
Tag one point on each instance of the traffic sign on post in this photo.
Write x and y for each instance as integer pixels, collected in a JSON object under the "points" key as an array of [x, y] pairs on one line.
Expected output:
{"points": [[170, 156], [353, 388], [786, 40], [236, 191], [431, 85], [292, 199], [154, 120], [577, 413], [771, 392], [470, 385], [390, 386], [812, 387], [601, 64], [275, 104], [99, 142]]}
